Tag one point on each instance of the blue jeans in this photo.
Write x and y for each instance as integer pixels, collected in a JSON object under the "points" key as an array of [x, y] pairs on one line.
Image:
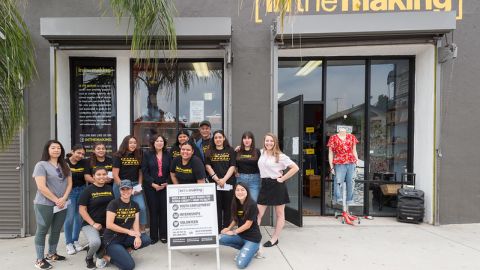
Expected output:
{"points": [[116, 191], [73, 221], [253, 183], [344, 173], [247, 248], [139, 198], [117, 250]]}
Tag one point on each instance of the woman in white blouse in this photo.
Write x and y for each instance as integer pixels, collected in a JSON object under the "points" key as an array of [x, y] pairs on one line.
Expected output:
{"points": [[272, 163]]}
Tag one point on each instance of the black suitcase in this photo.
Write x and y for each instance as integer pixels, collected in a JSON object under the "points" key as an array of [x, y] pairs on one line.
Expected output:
{"points": [[410, 203]]}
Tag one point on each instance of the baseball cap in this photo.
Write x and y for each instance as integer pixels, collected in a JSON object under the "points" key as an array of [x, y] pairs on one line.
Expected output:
{"points": [[126, 184], [205, 122]]}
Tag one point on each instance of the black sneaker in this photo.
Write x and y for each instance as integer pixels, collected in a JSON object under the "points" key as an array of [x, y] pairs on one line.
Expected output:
{"points": [[55, 257], [90, 263], [43, 264]]}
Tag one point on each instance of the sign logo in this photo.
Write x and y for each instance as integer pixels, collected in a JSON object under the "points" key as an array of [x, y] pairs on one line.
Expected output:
{"points": [[317, 7]]}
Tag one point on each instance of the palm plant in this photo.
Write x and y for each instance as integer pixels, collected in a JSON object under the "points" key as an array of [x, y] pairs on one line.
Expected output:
{"points": [[153, 27], [17, 69]]}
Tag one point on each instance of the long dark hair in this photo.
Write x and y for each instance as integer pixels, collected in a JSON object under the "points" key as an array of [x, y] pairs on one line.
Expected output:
{"points": [[152, 143], [61, 159], [180, 132], [247, 134], [123, 149], [213, 147], [75, 148], [93, 156], [236, 203]]}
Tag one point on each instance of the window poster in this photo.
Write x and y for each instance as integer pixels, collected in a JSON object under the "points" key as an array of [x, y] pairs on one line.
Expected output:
{"points": [[93, 102], [196, 111]]}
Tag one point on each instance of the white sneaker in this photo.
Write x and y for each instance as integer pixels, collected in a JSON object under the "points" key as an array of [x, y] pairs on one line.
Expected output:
{"points": [[71, 249], [100, 263], [77, 246]]}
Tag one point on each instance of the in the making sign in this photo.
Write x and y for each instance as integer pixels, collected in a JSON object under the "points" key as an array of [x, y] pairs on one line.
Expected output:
{"points": [[192, 216]]}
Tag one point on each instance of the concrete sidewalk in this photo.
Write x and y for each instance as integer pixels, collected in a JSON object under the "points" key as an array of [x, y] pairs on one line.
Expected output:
{"points": [[323, 243]]}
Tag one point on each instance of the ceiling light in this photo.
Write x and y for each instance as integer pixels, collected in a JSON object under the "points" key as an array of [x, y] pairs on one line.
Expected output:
{"points": [[201, 68], [308, 68]]}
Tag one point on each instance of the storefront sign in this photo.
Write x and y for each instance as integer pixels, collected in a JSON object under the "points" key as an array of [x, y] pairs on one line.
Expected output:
{"points": [[192, 216], [93, 110], [314, 7]]}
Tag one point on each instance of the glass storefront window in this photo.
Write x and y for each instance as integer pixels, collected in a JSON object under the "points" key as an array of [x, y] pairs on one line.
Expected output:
{"points": [[300, 77], [345, 106], [177, 97], [389, 124]]}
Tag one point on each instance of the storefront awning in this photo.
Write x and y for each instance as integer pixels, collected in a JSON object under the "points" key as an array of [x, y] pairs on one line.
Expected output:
{"points": [[98, 29], [367, 25]]}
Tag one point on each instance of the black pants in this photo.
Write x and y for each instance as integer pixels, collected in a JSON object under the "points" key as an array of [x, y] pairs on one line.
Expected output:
{"points": [[157, 208], [224, 203]]}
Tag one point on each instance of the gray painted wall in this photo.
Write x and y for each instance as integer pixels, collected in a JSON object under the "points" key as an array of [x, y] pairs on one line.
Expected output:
{"points": [[459, 187], [38, 94], [459, 170]]}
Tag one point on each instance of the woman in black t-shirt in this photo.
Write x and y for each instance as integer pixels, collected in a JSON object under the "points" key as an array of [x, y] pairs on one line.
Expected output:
{"points": [[127, 164], [73, 221], [92, 207], [123, 228], [99, 158], [246, 237], [187, 168], [247, 164], [220, 165], [183, 137]]}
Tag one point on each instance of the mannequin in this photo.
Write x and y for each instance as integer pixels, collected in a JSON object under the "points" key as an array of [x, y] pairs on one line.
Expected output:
{"points": [[342, 157]]}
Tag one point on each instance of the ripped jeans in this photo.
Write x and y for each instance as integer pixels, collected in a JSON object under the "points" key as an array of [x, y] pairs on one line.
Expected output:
{"points": [[247, 248]]}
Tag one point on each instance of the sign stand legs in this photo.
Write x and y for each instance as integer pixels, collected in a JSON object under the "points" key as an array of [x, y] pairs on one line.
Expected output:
{"points": [[218, 258], [169, 259]]}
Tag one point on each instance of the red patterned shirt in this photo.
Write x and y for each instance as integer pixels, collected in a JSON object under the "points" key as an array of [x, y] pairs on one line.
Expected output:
{"points": [[343, 149]]}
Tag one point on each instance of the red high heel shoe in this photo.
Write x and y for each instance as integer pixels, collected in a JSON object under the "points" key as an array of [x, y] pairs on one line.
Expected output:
{"points": [[346, 218], [352, 217]]}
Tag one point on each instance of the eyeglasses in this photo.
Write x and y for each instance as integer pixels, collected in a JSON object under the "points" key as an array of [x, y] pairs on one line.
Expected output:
{"points": [[125, 189], [59, 172]]}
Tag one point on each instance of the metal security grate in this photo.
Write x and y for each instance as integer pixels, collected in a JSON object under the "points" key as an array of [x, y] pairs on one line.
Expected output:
{"points": [[10, 191]]}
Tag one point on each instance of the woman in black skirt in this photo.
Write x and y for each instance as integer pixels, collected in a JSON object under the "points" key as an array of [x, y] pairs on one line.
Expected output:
{"points": [[272, 163]]}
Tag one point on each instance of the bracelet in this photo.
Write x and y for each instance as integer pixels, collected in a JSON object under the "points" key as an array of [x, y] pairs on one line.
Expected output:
{"points": [[94, 224], [213, 175]]}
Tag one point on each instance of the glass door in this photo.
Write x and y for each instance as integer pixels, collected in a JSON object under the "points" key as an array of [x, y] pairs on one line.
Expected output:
{"points": [[290, 115], [345, 106]]}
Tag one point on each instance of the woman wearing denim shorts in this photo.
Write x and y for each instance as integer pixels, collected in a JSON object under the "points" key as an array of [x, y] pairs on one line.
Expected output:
{"points": [[247, 164]]}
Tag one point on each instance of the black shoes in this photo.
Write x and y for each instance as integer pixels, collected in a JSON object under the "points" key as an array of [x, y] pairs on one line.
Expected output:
{"points": [[90, 263], [163, 240], [270, 244]]}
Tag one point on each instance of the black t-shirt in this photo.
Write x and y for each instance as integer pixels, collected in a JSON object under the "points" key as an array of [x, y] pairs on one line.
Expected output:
{"points": [[124, 217], [205, 145], [96, 200], [253, 233], [78, 172], [221, 161], [107, 164], [190, 173], [129, 167], [247, 162]]}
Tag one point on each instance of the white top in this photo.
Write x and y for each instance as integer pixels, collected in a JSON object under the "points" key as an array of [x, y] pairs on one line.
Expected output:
{"points": [[271, 169]]}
